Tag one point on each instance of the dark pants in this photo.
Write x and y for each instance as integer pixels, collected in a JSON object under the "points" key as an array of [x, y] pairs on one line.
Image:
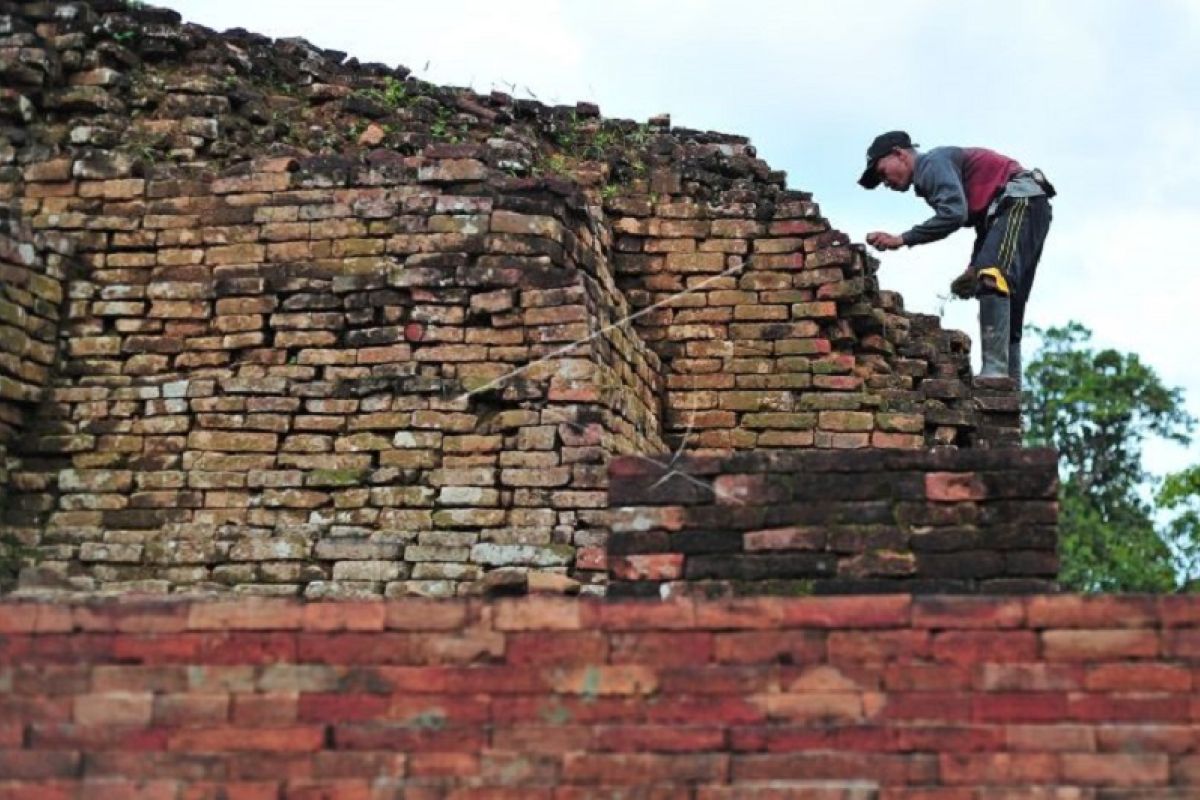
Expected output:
{"points": [[1013, 243]]}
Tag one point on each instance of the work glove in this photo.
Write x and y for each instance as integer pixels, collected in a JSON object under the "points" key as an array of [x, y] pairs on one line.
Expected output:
{"points": [[966, 285]]}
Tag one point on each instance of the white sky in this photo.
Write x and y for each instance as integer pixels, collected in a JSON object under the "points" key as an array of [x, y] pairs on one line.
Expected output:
{"points": [[1103, 95]]}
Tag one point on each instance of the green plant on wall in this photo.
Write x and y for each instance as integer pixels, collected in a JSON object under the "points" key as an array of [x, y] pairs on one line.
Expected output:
{"points": [[393, 93]]}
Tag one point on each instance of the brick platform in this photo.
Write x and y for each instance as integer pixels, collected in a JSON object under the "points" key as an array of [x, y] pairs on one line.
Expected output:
{"points": [[880, 698]]}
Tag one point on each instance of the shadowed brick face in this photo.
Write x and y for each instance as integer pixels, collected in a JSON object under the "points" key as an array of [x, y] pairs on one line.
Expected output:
{"points": [[834, 522], [276, 322], [886, 696]]}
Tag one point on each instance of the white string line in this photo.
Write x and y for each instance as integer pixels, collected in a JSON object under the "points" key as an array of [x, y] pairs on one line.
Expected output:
{"points": [[565, 348], [720, 493]]}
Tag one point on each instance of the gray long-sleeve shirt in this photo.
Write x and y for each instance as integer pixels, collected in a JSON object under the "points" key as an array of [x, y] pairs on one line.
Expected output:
{"points": [[959, 183]]}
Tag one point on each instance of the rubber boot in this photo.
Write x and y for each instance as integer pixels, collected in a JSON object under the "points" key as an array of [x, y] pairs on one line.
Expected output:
{"points": [[993, 335], [1014, 362]]}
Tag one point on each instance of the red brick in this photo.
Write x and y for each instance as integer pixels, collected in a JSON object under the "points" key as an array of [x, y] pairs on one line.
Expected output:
{"points": [[1098, 645], [647, 567], [1115, 769], [230, 790], [35, 708], [1181, 643], [73, 648], [119, 789], [409, 738], [824, 766], [452, 765], [246, 647], [360, 648], [325, 789], [950, 611], [293, 738], [1003, 769], [467, 680], [139, 617], [1019, 707], [567, 647], [633, 615], [38, 764], [1126, 707], [798, 790], [25, 617], [261, 764], [878, 646], [874, 611], [1179, 610], [750, 612], [542, 738], [928, 706], [11, 733], [1050, 738], [1090, 611], [785, 647], [178, 710], [1034, 677], [115, 678], [591, 558], [642, 769], [975, 647], [348, 764], [921, 677], [180, 648], [663, 649], [434, 710], [954, 487], [424, 615], [718, 679], [52, 679], [537, 613], [1185, 771], [96, 737], [1141, 677], [37, 790], [246, 615], [344, 616], [593, 680], [118, 709], [343, 707], [788, 738], [948, 738], [704, 710], [659, 738], [22, 617], [270, 708], [1153, 738]]}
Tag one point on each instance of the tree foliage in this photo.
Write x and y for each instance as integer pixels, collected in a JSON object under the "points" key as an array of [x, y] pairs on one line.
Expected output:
{"points": [[1098, 408]]}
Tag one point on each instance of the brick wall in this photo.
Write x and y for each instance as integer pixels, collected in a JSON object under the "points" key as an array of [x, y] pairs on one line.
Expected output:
{"points": [[32, 271], [798, 522], [887, 698], [318, 333]]}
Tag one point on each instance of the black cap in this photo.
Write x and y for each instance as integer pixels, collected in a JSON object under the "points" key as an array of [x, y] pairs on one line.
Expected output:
{"points": [[884, 143]]}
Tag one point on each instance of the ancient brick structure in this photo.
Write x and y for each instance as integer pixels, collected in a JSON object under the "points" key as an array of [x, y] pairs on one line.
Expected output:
{"points": [[279, 322], [840, 698]]}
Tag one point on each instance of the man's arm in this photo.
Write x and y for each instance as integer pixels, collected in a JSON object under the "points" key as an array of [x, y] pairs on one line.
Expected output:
{"points": [[942, 187]]}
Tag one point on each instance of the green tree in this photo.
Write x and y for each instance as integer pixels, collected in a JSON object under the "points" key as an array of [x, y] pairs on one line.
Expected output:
{"points": [[1179, 497], [1098, 407]]}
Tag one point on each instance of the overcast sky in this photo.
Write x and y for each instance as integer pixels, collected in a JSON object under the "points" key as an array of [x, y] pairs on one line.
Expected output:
{"points": [[1102, 95]]}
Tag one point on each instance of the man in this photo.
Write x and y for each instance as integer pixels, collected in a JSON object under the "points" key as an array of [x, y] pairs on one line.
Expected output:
{"points": [[1008, 206]]}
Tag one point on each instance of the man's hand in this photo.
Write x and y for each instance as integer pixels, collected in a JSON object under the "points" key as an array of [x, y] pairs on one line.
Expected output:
{"points": [[884, 241]]}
